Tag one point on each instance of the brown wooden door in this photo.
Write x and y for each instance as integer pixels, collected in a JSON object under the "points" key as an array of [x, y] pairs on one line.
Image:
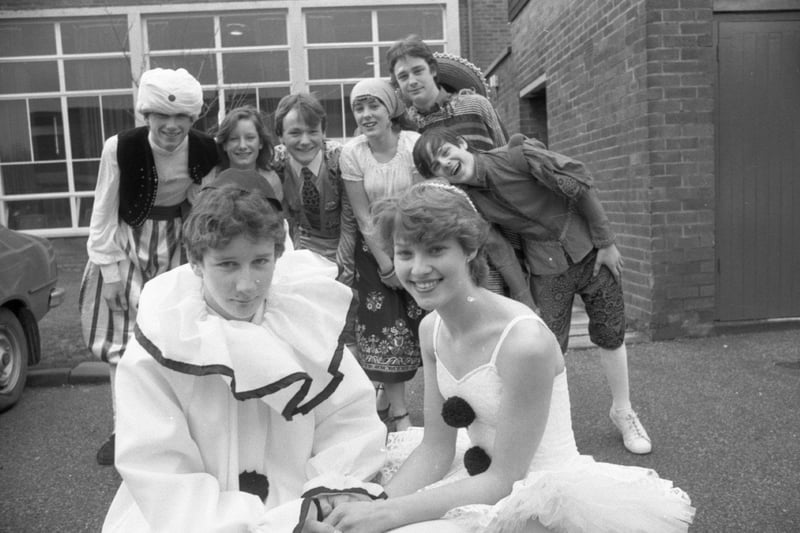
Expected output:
{"points": [[758, 167]]}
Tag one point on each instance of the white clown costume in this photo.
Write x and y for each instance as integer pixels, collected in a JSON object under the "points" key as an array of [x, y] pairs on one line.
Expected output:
{"points": [[202, 400]]}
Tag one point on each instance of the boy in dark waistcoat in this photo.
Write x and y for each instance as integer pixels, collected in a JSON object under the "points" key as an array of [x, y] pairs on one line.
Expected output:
{"points": [[315, 204], [146, 180]]}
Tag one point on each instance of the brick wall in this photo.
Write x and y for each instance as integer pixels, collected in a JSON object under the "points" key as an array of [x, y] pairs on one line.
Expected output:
{"points": [[593, 55], [506, 96], [488, 20], [680, 95], [629, 93]]}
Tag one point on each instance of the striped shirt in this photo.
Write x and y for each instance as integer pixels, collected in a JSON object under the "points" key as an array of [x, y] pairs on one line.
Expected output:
{"points": [[468, 114]]}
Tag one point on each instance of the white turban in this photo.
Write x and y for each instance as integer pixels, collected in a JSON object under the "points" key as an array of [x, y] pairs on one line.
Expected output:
{"points": [[170, 92]]}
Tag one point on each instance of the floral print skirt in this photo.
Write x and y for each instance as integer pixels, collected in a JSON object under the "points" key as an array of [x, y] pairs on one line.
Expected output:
{"points": [[387, 323]]}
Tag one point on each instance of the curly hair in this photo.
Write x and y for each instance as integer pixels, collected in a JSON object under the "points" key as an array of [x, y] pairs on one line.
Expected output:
{"points": [[221, 214], [430, 212], [264, 159]]}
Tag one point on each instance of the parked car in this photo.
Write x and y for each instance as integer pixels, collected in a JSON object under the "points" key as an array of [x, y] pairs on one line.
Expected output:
{"points": [[28, 277]]}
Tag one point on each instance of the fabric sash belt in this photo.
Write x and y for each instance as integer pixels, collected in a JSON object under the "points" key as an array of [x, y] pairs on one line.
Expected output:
{"points": [[168, 212]]}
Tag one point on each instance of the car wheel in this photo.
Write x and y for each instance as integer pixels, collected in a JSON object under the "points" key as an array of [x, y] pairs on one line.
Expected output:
{"points": [[13, 359]]}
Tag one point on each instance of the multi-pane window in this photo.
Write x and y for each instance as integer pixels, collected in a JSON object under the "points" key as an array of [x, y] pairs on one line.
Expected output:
{"points": [[243, 57], [65, 93], [64, 87], [68, 81], [344, 45]]}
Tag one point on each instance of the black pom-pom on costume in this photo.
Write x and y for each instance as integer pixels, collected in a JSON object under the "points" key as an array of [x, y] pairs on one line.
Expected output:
{"points": [[254, 483], [457, 413], [476, 460]]}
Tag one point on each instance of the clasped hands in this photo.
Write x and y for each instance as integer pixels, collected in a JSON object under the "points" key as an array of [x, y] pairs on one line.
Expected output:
{"points": [[346, 513]]}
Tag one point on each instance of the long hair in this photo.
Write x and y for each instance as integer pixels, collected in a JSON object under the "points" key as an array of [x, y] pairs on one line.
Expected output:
{"points": [[264, 159]]}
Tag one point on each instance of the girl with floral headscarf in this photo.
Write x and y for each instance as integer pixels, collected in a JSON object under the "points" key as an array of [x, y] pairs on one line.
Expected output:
{"points": [[377, 164]]}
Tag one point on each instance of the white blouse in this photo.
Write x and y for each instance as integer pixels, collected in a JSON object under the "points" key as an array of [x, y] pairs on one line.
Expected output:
{"points": [[381, 180]]}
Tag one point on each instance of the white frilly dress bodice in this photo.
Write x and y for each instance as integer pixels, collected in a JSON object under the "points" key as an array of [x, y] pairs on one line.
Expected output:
{"points": [[564, 490], [482, 388]]}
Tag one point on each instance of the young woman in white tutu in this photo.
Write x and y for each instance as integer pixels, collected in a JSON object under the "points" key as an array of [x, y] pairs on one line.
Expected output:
{"points": [[493, 367]]}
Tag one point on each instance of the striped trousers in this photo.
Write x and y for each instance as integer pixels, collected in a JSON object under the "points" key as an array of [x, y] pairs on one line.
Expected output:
{"points": [[151, 249]]}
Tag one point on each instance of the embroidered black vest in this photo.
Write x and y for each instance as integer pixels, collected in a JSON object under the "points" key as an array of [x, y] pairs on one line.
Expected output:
{"points": [[138, 180]]}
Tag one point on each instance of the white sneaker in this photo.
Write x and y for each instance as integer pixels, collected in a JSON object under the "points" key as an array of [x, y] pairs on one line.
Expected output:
{"points": [[633, 434]]}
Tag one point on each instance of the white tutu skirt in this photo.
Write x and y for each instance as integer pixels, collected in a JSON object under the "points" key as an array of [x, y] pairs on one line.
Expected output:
{"points": [[580, 495]]}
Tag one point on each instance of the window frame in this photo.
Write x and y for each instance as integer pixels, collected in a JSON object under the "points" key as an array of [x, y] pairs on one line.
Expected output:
{"points": [[139, 57]]}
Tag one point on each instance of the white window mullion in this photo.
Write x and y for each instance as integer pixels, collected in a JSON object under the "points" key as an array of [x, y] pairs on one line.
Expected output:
{"points": [[220, 89], [345, 110], [30, 127], [376, 52], [62, 97], [138, 50], [62, 83], [452, 36], [298, 56], [74, 215]]}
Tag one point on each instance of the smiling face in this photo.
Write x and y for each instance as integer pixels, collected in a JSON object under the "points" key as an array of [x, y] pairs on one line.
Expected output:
{"points": [[168, 131], [434, 273], [302, 140], [415, 79], [453, 162], [243, 145], [371, 116], [237, 276]]}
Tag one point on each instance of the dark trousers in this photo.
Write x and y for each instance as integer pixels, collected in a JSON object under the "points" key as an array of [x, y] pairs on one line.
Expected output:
{"points": [[601, 295]]}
